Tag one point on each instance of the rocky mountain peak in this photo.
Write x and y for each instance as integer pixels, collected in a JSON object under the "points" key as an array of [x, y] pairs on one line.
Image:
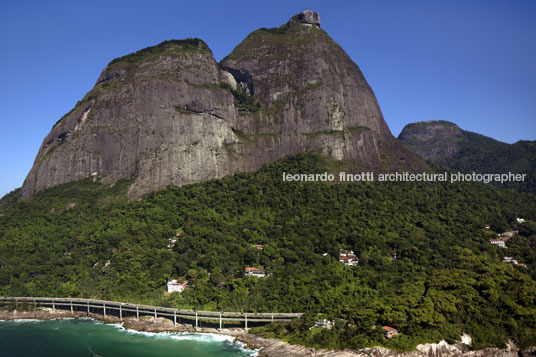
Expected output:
{"points": [[433, 139], [308, 17], [426, 130]]}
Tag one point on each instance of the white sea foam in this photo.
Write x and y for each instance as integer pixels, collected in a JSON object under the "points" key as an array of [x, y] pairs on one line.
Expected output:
{"points": [[211, 337], [118, 325], [198, 337], [202, 337], [183, 336]]}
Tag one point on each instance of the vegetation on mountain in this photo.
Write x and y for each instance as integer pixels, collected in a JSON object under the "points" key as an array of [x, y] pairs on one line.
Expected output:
{"points": [[85, 239], [162, 49], [480, 153]]}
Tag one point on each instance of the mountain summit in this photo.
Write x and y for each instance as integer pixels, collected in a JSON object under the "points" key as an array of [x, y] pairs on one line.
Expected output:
{"points": [[171, 115]]}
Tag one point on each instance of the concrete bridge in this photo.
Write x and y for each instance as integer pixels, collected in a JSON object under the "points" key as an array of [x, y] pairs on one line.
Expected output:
{"points": [[122, 310]]}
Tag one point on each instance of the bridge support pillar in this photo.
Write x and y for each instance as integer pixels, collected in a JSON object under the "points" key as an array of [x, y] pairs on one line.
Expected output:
{"points": [[72, 311], [220, 321], [35, 305], [120, 312], [246, 321], [137, 312], [88, 307], [53, 306], [155, 315], [104, 308], [196, 319], [174, 318]]}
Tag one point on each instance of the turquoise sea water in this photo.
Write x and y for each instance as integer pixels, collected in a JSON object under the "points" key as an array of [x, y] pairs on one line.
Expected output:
{"points": [[83, 337]]}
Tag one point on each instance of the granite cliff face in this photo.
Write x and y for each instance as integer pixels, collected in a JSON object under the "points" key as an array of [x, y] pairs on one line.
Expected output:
{"points": [[171, 115]]}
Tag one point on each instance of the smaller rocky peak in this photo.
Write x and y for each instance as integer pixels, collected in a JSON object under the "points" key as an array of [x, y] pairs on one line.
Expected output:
{"points": [[434, 140], [431, 129], [307, 17]]}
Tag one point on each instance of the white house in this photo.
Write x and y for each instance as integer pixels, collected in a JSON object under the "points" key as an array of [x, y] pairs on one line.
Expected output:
{"points": [[171, 243], [323, 323], [520, 220], [175, 286], [510, 260], [508, 234], [498, 242]]}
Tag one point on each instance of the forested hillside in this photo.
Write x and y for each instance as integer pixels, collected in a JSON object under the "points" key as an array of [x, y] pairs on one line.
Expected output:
{"points": [[86, 239]]}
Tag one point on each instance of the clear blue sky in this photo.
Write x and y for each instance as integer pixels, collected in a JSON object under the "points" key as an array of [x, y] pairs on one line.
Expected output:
{"points": [[469, 62]]}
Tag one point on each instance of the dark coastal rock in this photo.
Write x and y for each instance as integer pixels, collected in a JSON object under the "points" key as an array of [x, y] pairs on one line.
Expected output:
{"points": [[171, 115]]}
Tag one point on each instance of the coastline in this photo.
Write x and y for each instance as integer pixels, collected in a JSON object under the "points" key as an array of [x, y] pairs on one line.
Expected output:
{"points": [[266, 347]]}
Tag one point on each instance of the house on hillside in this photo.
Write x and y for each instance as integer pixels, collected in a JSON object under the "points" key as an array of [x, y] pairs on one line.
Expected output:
{"points": [[323, 323], [498, 242], [256, 272], [175, 286], [509, 260], [520, 220], [389, 331], [171, 243], [509, 234], [348, 257]]}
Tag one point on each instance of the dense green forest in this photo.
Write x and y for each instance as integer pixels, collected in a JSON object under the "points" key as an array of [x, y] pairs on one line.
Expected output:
{"points": [[485, 155], [86, 239]]}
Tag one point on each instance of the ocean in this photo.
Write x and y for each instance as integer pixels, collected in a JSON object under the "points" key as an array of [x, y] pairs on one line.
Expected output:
{"points": [[85, 337]]}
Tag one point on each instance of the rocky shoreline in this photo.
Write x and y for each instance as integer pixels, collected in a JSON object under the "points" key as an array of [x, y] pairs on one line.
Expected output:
{"points": [[271, 347]]}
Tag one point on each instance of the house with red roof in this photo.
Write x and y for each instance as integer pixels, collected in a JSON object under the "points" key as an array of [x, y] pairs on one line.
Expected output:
{"points": [[257, 272], [389, 331], [348, 257]]}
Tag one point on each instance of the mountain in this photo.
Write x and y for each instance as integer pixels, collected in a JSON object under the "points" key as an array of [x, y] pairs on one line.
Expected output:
{"points": [[171, 115], [445, 144]]}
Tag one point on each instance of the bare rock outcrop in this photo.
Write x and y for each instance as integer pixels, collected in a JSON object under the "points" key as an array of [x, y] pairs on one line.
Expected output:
{"points": [[306, 17]]}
